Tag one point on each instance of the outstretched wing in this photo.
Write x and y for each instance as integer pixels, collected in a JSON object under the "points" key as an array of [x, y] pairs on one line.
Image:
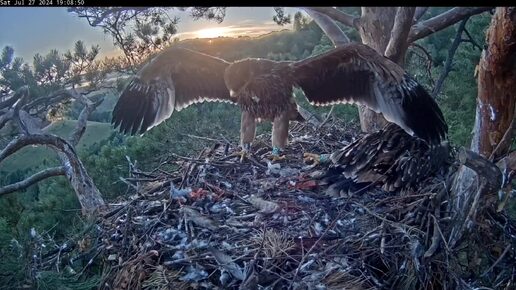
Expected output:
{"points": [[173, 80], [355, 73]]}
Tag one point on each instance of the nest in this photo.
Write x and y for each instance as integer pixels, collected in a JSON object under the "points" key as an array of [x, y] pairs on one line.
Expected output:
{"points": [[217, 223]]}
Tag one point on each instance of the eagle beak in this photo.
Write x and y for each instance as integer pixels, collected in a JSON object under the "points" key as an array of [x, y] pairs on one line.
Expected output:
{"points": [[231, 93]]}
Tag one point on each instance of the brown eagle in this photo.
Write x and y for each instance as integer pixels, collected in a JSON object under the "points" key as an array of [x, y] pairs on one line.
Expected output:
{"points": [[389, 158], [353, 73]]}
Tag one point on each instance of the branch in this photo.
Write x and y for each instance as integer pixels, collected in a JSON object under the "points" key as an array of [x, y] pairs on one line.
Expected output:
{"points": [[420, 11], [26, 140], [50, 99], [472, 40], [429, 60], [82, 121], [21, 185], [89, 196], [29, 124], [449, 59], [336, 35], [441, 21], [488, 173], [398, 43], [337, 15]]}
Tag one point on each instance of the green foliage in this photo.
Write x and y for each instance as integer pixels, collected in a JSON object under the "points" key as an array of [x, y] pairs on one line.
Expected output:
{"points": [[458, 95], [11, 264], [53, 280]]}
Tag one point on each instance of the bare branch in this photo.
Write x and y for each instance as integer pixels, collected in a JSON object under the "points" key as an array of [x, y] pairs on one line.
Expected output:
{"points": [[337, 15], [336, 35], [21, 185], [54, 97], [82, 121], [26, 140], [429, 60], [398, 42], [472, 40], [441, 21], [420, 11], [449, 59], [487, 171], [29, 124]]}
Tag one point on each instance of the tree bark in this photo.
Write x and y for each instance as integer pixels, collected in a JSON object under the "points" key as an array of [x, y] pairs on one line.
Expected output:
{"points": [[496, 96], [420, 11], [496, 101], [397, 46]]}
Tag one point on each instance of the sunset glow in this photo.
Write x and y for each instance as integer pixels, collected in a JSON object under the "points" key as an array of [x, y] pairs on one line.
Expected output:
{"points": [[213, 32], [230, 31]]}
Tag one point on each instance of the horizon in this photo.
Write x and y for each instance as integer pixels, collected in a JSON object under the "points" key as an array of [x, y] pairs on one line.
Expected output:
{"points": [[62, 29]]}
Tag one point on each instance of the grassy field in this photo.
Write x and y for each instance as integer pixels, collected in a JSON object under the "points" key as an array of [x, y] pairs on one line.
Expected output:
{"points": [[31, 157]]}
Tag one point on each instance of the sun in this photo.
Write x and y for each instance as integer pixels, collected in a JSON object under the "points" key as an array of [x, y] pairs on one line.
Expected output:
{"points": [[212, 32]]}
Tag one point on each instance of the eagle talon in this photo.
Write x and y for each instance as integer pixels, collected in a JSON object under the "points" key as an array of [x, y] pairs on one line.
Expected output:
{"points": [[244, 152], [275, 158], [315, 159], [275, 155]]}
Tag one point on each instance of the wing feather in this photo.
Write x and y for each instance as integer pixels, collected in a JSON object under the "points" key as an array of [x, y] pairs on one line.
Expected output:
{"points": [[357, 74], [173, 80]]}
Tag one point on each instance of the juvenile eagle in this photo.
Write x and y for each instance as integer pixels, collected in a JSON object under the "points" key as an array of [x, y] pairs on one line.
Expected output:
{"points": [[353, 73], [389, 158]]}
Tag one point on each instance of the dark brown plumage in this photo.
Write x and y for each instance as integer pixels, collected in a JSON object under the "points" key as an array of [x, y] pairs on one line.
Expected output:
{"points": [[389, 158], [353, 73]]}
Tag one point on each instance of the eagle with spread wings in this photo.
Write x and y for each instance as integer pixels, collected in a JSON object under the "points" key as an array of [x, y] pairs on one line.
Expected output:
{"points": [[351, 74]]}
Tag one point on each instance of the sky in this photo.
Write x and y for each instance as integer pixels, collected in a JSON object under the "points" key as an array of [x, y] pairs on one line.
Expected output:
{"points": [[30, 30]]}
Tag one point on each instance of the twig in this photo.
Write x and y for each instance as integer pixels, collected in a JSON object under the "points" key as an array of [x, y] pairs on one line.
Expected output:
{"points": [[505, 251], [449, 59]]}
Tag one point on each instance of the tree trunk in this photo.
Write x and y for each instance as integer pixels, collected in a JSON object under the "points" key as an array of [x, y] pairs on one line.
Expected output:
{"points": [[375, 28], [496, 100], [496, 96]]}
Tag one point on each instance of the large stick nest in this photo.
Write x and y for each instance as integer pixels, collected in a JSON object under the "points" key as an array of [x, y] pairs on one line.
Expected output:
{"points": [[216, 223]]}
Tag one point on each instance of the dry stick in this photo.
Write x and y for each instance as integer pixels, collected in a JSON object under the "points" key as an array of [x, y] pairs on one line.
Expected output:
{"points": [[449, 59], [386, 220], [497, 260], [327, 118], [201, 138]]}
